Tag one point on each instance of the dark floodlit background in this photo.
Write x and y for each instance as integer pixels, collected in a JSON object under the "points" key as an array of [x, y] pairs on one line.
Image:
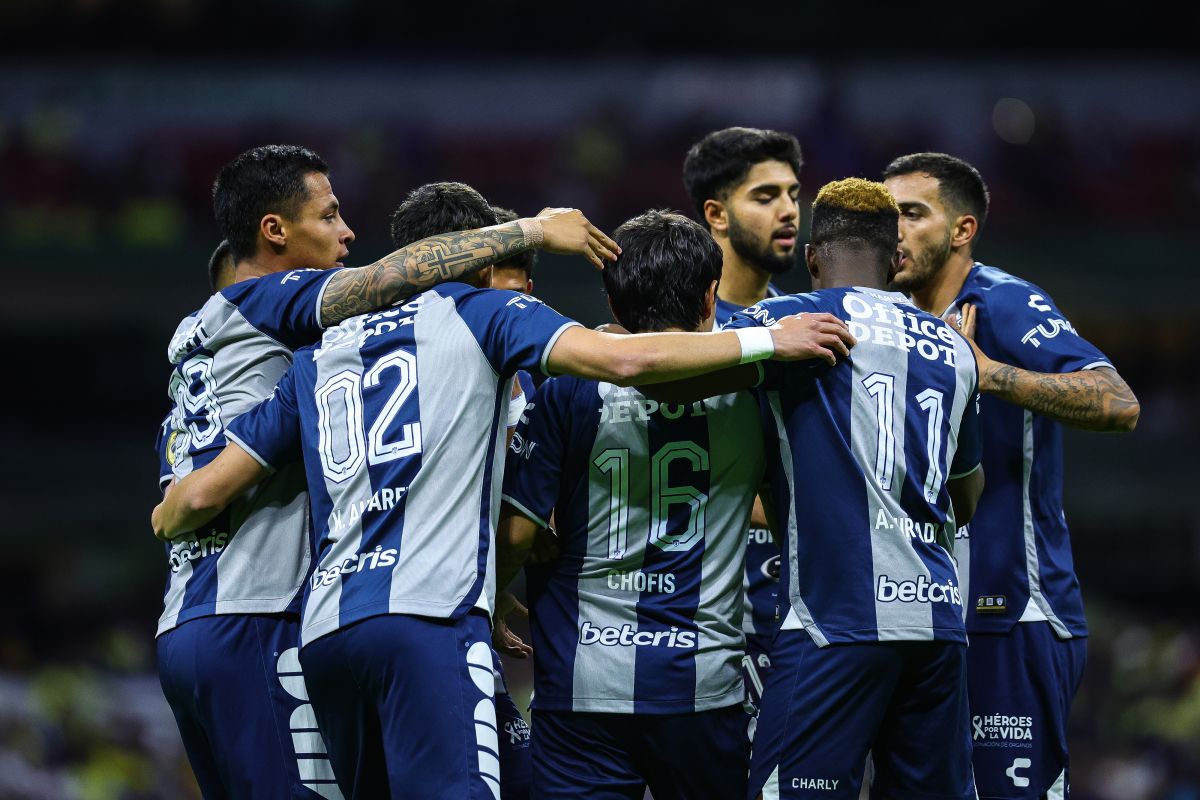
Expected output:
{"points": [[114, 118]]}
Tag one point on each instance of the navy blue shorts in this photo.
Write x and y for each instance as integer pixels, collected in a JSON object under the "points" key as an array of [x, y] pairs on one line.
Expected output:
{"points": [[1021, 685], [515, 765], [234, 684], [825, 707], [405, 705], [756, 665], [693, 756]]}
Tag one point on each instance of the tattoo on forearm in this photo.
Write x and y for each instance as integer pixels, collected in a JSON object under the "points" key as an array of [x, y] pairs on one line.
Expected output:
{"points": [[1097, 399], [418, 267]]}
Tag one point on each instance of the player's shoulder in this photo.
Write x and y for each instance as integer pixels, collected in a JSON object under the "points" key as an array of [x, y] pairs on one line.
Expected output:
{"points": [[987, 283], [769, 311]]}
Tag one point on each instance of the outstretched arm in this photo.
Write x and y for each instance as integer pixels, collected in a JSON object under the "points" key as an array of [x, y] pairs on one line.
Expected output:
{"points": [[648, 358], [1095, 399], [202, 495], [453, 256]]}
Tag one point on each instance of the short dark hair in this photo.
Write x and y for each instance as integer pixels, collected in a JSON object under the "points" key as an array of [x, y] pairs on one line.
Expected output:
{"points": [[667, 263], [437, 208], [220, 261], [525, 260], [720, 160], [260, 181], [960, 185], [855, 213]]}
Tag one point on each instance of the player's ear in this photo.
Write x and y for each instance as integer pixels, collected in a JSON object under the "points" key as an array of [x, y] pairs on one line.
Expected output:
{"points": [[709, 308], [716, 216], [274, 229], [963, 233], [814, 269], [529, 287], [893, 266]]}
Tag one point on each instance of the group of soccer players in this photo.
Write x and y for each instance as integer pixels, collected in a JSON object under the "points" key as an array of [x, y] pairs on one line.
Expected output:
{"points": [[357, 460]]}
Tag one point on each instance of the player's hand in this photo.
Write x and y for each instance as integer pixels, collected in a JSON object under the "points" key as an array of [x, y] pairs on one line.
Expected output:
{"points": [[965, 321], [157, 521], [803, 336], [566, 231], [504, 641]]}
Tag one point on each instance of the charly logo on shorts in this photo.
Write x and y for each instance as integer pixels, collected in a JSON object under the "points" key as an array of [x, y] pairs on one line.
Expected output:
{"points": [[1002, 730]]}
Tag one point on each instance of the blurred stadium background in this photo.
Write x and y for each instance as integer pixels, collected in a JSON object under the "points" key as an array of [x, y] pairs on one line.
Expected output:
{"points": [[114, 118]]}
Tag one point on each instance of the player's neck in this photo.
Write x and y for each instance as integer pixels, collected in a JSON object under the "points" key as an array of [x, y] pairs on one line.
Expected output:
{"points": [[742, 283], [937, 296], [257, 266], [840, 276]]}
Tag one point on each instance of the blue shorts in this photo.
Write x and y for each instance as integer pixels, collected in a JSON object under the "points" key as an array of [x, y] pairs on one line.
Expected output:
{"points": [[405, 705], [825, 707], [1021, 685], [756, 665], [234, 684], [692, 756], [515, 766]]}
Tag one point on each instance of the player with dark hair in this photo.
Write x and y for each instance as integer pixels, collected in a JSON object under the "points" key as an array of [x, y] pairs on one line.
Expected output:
{"points": [[399, 418], [220, 267], [744, 183], [636, 627], [228, 635], [427, 211], [1024, 608], [878, 462], [514, 273]]}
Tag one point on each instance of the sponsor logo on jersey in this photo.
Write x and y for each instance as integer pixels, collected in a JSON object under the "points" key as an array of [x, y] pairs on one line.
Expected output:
{"points": [[628, 636], [371, 559], [922, 590], [1047, 330], [771, 568], [1019, 781], [1002, 730], [639, 409], [890, 325], [195, 549]]}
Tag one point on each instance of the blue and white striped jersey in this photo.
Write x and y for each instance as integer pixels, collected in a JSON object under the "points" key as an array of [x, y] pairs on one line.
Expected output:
{"points": [[762, 551], [865, 450], [400, 418], [253, 557], [642, 612], [1017, 546]]}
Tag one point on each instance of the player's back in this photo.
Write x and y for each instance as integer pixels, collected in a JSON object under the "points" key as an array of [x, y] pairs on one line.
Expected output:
{"points": [[226, 358], [401, 417], [641, 613], [866, 448]]}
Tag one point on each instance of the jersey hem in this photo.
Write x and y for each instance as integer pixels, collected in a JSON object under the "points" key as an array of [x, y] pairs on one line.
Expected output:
{"points": [[250, 451], [599, 705], [544, 363], [519, 506]]}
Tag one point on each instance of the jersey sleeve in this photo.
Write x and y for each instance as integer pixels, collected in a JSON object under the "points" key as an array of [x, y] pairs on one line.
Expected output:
{"points": [[533, 470], [1030, 332], [270, 432], [285, 306], [161, 443], [969, 453], [514, 331]]}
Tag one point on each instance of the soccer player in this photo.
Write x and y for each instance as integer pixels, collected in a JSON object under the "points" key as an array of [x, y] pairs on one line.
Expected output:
{"points": [[229, 631], [399, 417], [877, 462], [744, 183], [636, 627], [1024, 609], [427, 211]]}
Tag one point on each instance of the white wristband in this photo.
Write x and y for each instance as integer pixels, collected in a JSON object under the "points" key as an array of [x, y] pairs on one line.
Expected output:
{"points": [[532, 231], [756, 343]]}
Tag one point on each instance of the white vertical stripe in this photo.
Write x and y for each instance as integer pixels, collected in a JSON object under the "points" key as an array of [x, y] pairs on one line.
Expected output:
{"points": [[1032, 565]]}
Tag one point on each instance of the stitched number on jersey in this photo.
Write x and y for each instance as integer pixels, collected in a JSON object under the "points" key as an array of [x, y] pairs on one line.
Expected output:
{"points": [[614, 463], [342, 444], [882, 387], [931, 401], [192, 389]]}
